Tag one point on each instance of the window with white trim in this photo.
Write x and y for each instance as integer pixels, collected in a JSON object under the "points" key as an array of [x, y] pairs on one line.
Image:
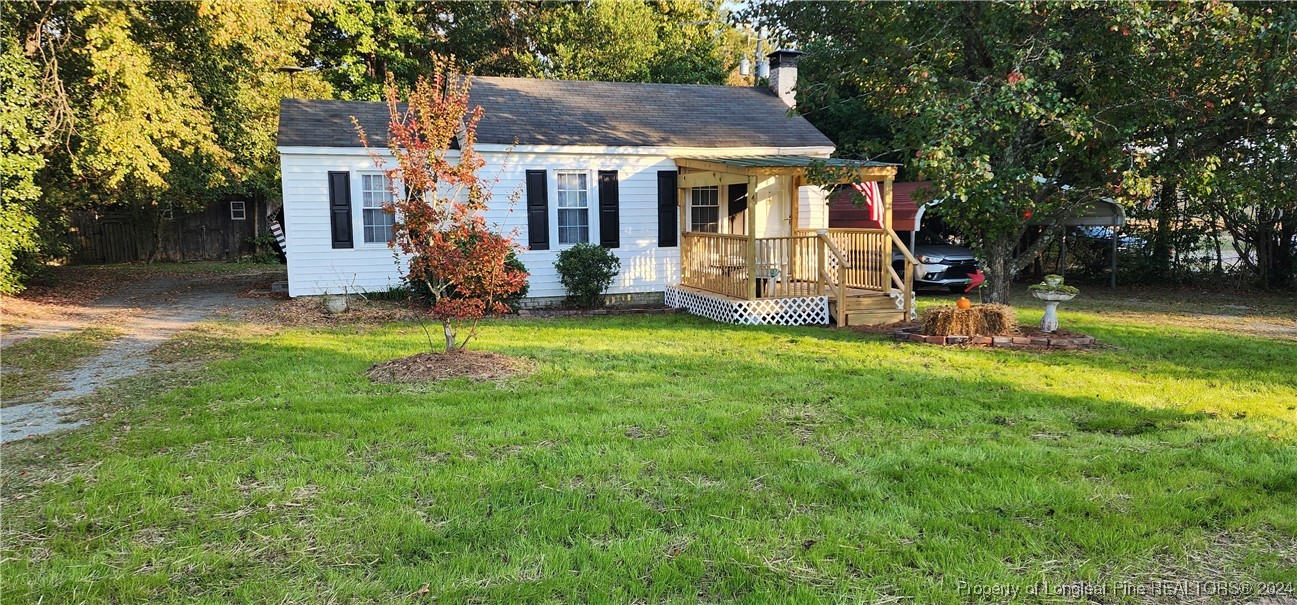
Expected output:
{"points": [[238, 211], [573, 207], [705, 209], [376, 221]]}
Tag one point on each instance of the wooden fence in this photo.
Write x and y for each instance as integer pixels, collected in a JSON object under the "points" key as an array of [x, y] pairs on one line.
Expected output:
{"points": [[118, 235]]}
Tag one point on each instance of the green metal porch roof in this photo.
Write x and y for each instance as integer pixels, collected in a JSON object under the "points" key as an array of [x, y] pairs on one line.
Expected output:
{"points": [[785, 161]]}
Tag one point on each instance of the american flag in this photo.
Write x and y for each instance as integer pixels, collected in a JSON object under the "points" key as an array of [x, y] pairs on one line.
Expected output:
{"points": [[873, 199]]}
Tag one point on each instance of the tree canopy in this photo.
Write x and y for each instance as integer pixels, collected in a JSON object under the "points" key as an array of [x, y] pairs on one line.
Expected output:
{"points": [[1021, 112], [358, 44]]}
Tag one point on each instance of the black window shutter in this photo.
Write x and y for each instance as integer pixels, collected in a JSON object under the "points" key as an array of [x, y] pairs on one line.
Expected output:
{"points": [[340, 209], [537, 210], [668, 209], [609, 210]]}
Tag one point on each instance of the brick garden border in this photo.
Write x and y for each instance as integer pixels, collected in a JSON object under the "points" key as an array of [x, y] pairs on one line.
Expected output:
{"points": [[1008, 342]]}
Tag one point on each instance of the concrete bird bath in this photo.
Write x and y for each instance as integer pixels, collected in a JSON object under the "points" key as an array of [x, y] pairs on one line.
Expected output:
{"points": [[1052, 291], [1049, 322]]}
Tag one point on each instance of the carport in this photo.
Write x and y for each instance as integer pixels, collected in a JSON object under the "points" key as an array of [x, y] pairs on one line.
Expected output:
{"points": [[1101, 213]]}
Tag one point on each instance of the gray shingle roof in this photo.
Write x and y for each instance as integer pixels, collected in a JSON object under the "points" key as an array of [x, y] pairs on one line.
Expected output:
{"points": [[317, 123], [566, 112]]}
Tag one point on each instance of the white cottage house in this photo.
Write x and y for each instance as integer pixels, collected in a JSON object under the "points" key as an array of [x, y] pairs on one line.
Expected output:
{"points": [[698, 190]]}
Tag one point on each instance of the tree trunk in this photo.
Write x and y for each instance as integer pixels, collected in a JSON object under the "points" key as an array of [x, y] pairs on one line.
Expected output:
{"points": [[450, 335], [1162, 237], [999, 274], [1215, 238], [1284, 260]]}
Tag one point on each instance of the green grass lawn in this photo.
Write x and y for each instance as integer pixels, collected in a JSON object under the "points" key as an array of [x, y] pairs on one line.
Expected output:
{"points": [[668, 459]]}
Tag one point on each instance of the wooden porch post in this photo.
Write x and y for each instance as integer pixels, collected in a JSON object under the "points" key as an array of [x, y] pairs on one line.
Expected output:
{"points": [[886, 265], [822, 263], [686, 255], [792, 268], [794, 214], [752, 237]]}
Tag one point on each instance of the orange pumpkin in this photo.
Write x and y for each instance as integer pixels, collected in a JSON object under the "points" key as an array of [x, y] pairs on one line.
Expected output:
{"points": [[963, 303]]}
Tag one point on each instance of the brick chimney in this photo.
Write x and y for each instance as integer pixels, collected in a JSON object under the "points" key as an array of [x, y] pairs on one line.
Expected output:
{"points": [[783, 74]]}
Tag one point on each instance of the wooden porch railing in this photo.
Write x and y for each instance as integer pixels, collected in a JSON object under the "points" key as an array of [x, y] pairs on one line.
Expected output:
{"points": [[786, 267], [864, 250], [778, 267], [715, 262], [835, 278], [810, 263]]}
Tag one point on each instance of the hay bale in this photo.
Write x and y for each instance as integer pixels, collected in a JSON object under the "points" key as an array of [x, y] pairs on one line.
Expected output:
{"points": [[981, 320]]}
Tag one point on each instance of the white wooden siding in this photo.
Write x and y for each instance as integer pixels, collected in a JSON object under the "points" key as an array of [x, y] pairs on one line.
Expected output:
{"points": [[813, 208], [315, 267], [644, 266]]}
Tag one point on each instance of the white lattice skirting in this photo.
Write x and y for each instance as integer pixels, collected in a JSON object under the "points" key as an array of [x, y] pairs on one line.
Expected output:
{"points": [[798, 311]]}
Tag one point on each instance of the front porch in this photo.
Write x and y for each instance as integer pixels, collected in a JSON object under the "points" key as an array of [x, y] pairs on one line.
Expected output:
{"points": [[755, 248]]}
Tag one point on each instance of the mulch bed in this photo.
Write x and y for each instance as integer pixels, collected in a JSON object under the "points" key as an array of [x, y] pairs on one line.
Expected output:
{"points": [[309, 312], [432, 367], [1026, 337]]}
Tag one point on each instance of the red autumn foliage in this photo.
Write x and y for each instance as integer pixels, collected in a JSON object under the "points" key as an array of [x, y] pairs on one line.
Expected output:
{"points": [[439, 201]]}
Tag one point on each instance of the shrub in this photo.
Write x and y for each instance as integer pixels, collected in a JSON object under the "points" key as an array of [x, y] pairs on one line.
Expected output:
{"points": [[586, 271], [981, 320]]}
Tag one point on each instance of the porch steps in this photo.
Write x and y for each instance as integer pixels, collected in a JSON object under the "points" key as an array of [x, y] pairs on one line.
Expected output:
{"points": [[868, 310]]}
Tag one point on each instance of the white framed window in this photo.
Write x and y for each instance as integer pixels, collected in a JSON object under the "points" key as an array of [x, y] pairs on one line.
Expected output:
{"points": [[376, 222], [573, 190], [705, 209], [238, 211]]}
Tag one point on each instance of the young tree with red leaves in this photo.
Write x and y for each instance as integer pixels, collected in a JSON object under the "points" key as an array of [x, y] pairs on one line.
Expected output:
{"points": [[439, 201]]}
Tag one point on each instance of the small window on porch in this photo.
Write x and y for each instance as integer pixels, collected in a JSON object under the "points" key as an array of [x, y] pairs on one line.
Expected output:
{"points": [[705, 209]]}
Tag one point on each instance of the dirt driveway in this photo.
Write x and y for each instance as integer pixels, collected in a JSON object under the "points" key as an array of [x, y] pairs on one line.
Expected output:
{"points": [[146, 313]]}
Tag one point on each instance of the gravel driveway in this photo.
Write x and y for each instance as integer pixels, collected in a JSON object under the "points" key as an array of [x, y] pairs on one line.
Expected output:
{"points": [[147, 313]]}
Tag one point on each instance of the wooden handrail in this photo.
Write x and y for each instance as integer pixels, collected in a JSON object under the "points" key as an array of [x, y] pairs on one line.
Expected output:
{"points": [[715, 235], [832, 247], [905, 284], [896, 278], [905, 250], [842, 230]]}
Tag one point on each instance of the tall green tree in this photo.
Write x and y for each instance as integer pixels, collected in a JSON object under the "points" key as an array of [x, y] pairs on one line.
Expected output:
{"points": [[1253, 195], [1202, 82], [357, 44], [159, 105], [1022, 113], [23, 128], [994, 101]]}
